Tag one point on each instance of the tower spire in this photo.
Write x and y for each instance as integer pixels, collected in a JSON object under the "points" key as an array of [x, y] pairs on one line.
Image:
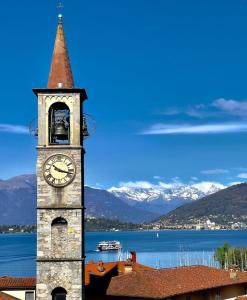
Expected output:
{"points": [[60, 73]]}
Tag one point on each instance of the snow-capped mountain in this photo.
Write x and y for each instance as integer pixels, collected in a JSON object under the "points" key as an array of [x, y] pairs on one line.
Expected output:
{"points": [[163, 198]]}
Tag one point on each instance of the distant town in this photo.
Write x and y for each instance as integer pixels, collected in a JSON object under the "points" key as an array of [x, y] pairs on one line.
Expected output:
{"points": [[101, 224], [199, 224]]}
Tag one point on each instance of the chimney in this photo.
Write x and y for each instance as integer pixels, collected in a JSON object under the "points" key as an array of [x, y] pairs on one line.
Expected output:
{"points": [[101, 267], [133, 256], [233, 274]]}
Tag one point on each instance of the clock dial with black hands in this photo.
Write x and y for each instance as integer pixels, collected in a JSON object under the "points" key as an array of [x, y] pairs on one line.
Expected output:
{"points": [[59, 170]]}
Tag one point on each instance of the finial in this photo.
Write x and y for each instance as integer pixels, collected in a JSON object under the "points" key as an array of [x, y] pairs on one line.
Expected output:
{"points": [[60, 18]]}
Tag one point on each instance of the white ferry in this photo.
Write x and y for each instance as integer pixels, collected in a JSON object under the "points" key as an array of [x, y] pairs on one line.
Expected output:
{"points": [[109, 246]]}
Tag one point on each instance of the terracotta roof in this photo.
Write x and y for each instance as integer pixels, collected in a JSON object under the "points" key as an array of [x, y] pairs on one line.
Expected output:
{"points": [[4, 296], [159, 284], [93, 268], [60, 71], [17, 283]]}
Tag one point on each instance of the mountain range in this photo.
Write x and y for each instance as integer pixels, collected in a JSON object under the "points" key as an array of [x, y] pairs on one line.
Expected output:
{"points": [[128, 204], [227, 206], [161, 199], [18, 203]]}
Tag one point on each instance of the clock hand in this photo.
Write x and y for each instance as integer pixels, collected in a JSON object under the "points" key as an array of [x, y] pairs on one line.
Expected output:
{"points": [[60, 170]]}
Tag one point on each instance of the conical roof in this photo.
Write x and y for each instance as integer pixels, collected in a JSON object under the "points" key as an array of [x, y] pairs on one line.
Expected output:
{"points": [[60, 73]]}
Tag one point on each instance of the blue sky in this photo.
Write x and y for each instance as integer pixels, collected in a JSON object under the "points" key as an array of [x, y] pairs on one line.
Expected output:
{"points": [[166, 81]]}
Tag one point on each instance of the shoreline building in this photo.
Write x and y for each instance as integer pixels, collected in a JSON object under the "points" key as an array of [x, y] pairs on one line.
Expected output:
{"points": [[60, 181]]}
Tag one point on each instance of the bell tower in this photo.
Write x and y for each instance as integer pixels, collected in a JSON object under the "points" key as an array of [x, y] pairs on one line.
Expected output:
{"points": [[60, 181]]}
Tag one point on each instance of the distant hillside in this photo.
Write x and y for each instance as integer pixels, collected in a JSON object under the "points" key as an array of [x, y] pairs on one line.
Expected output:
{"points": [[102, 204], [91, 224], [18, 200], [107, 224], [228, 205], [18, 203]]}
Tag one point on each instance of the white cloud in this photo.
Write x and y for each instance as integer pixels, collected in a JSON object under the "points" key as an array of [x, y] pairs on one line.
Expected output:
{"points": [[215, 171], [218, 107], [136, 184], [172, 111], [9, 128], [196, 111], [234, 183], [143, 188], [205, 186], [232, 107], [148, 185], [161, 129], [242, 175], [156, 177], [194, 178], [241, 169]]}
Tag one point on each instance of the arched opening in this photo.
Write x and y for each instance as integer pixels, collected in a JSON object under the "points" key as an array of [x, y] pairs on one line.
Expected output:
{"points": [[59, 124], [59, 293], [59, 222], [59, 237]]}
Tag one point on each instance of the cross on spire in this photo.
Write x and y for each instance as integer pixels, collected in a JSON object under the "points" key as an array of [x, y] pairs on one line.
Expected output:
{"points": [[60, 72], [60, 5]]}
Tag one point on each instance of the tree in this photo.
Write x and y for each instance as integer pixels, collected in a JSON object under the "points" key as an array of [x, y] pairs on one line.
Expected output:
{"points": [[221, 255], [229, 257]]}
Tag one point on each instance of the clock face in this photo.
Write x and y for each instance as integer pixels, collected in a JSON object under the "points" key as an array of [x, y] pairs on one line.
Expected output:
{"points": [[59, 170]]}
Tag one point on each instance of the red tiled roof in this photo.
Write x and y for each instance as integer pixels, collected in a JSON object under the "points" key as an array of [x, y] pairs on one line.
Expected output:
{"points": [[158, 284], [4, 296], [60, 71], [92, 269], [17, 282]]}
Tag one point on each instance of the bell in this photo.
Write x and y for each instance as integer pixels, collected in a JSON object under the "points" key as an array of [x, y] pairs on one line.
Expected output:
{"points": [[85, 132], [60, 131]]}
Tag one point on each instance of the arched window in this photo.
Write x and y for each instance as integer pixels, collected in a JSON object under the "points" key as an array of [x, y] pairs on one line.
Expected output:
{"points": [[59, 237], [59, 222], [59, 294], [59, 124]]}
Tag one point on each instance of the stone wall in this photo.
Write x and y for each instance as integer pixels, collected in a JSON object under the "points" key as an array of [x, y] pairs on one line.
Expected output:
{"points": [[51, 275], [46, 240], [59, 248]]}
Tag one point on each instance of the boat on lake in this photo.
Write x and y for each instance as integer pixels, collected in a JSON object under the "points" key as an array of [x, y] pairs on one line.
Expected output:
{"points": [[109, 246]]}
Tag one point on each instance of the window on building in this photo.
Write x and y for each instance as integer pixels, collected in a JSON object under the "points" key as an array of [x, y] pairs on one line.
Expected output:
{"points": [[218, 295], [29, 296], [59, 294]]}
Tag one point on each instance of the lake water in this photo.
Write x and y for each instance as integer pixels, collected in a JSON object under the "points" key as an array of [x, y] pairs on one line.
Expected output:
{"points": [[169, 249]]}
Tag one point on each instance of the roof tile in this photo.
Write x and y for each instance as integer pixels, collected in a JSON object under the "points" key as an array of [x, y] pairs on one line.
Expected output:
{"points": [[155, 284], [17, 282]]}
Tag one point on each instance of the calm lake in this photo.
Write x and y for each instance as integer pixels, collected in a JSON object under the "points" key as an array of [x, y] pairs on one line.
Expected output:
{"points": [[168, 249]]}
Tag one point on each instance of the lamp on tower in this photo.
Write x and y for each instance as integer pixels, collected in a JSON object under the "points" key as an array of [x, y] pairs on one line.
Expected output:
{"points": [[88, 126]]}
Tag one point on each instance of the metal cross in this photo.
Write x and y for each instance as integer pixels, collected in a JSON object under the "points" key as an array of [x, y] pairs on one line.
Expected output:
{"points": [[60, 5]]}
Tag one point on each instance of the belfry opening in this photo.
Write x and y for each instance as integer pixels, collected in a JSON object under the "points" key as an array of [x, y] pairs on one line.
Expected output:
{"points": [[59, 124]]}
